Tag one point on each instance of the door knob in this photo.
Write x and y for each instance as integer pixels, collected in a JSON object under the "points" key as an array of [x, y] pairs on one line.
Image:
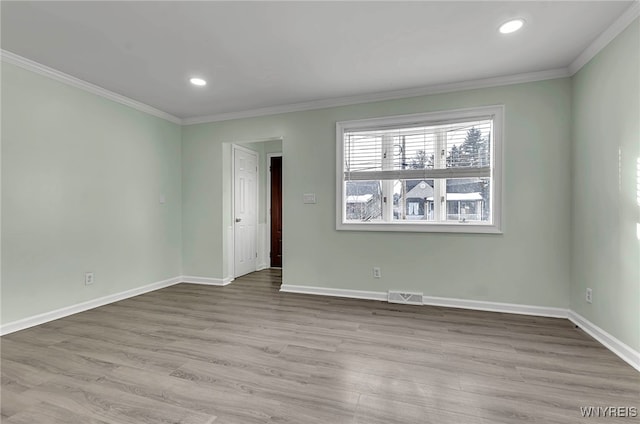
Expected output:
{"points": [[238, 219]]}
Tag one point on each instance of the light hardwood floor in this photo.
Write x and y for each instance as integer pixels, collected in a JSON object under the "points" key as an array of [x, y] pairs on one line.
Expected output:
{"points": [[246, 353]]}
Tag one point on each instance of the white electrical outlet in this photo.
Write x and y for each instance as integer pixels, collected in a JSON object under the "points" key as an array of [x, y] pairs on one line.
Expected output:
{"points": [[376, 272], [589, 296], [88, 278]]}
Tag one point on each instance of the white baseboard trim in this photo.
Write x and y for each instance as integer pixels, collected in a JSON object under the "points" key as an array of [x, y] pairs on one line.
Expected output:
{"points": [[32, 321], [260, 267], [624, 351], [509, 308], [325, 291], [209, 281]]}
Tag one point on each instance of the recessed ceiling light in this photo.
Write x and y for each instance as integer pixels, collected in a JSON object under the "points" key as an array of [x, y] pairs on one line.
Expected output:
{"points": [[198, 81], [511, 26]]}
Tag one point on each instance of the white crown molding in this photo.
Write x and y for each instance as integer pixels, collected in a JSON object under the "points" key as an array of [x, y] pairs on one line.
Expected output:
{"points": [[30, 65], [386, 95], [624, 351], [593, 49], [32, 321], [208, 281], [606, 37]]}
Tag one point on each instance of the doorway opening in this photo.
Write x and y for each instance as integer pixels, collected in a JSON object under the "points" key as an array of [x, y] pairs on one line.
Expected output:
{"points": [[274, 187], [254, 237]]}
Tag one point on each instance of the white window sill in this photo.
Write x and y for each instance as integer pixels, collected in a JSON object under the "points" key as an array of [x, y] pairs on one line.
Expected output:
{"points": [[420, 228]]}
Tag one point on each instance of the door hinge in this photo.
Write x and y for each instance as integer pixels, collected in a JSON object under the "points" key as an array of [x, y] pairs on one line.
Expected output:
{"points": [[256, 254]]}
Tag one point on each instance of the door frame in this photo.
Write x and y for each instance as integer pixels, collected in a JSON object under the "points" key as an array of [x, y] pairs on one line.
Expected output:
{"points": [[235, 147], [268, 215]]}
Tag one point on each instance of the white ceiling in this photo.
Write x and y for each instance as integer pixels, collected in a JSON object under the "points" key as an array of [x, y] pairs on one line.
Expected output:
{"points": [[263, 54]]}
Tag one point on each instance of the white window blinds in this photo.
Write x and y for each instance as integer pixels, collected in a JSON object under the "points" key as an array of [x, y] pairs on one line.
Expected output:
{"points": [[415, 151]]}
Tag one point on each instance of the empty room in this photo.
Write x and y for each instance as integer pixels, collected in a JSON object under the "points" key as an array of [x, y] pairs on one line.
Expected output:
{"points": [[312, 212]]}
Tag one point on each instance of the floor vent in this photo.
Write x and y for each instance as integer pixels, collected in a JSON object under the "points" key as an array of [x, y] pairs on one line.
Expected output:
{"points": [[406, 298]]}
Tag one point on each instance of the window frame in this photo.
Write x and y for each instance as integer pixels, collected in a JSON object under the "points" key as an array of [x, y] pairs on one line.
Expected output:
{"points": [[429, 118]]}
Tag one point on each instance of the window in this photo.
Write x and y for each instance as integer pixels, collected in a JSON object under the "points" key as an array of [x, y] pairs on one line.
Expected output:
{"points": [[436, 172]]}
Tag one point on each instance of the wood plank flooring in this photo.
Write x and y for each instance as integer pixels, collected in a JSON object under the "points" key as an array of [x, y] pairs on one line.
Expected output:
{"points": [[246, 353]]}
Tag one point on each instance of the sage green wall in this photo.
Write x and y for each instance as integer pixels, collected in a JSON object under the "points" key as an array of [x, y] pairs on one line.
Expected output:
{"points": [[605, 181], [206, 199], [81, 180], [528, 264]]}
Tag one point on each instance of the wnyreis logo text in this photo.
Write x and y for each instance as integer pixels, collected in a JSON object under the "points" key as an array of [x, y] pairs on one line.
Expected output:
{"points": [[609, 411]]}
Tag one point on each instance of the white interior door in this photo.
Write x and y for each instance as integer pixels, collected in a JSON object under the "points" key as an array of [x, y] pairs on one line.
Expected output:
{"points": [[245, 195]]}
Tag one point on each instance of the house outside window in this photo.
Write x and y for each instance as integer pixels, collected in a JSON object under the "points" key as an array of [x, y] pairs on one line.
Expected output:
{"points": [[436, 172]]}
